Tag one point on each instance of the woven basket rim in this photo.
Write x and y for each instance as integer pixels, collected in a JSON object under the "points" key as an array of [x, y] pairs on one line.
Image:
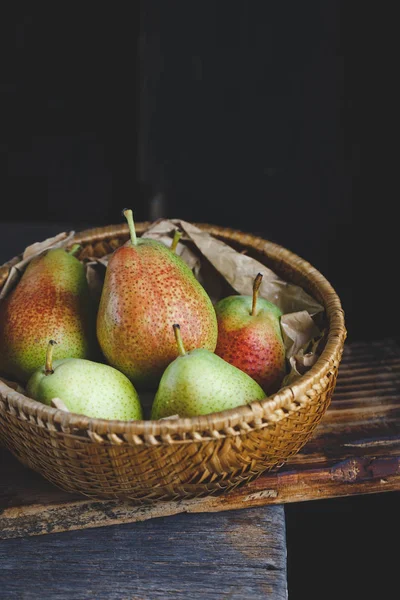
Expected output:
{"points": [[273, 408]]}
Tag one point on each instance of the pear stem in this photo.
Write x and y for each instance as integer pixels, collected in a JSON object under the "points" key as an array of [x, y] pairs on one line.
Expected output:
{"points": [[178, 338], [128, 214], [74, 249], [48, 369], [177, 237], [256, 287]]}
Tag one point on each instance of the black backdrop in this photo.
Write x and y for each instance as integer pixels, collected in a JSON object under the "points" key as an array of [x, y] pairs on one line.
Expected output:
{"points": [[271, 117], [274, 118]]}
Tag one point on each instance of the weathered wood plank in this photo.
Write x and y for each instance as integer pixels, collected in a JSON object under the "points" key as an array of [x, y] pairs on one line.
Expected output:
{"points": [[240, 554], [363, 475], [355, 450]]}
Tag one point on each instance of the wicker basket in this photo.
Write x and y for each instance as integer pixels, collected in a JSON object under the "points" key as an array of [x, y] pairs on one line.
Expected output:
{"points": [[155, 460]]}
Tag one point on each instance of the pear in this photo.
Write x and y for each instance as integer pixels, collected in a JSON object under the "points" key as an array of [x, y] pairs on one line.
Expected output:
{"points": [[51, 300], [146, 287], [250, 337], [85, 387], [199, 382]]}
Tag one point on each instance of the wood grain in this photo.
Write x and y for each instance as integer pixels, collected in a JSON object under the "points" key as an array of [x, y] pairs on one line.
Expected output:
{"points": [[355, 450], [241, 554]]}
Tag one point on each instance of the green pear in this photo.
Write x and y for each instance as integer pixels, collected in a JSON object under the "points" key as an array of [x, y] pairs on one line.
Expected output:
{"points": [[199, 382], [85, 387], [146, 287], [51, 301], [250, 337]]}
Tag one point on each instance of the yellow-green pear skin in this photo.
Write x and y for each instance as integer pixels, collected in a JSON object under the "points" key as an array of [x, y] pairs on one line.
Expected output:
{"points": [[147, 287], [198, 383], [88, 388], [51, 301]]}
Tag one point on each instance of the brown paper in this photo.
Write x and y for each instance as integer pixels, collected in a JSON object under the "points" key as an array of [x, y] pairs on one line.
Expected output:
{"points": [[239, 270], [303, 360], [298, 329]]}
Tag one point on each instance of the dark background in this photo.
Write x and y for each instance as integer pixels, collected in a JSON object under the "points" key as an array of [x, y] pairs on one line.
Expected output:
{"points": [[274, 118], [271, 117]]}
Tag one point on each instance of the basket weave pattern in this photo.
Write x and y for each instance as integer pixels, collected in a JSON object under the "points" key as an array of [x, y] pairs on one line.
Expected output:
{"points": [[152, 460]]}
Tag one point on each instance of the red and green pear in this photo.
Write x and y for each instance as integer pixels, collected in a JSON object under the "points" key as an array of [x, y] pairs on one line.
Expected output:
{"points": [[146, 288], [250, 337], [51, 301]]}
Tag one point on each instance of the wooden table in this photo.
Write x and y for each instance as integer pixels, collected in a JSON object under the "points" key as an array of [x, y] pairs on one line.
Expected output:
{"points": [[354, 451], [234, 546], [240, 554]]}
